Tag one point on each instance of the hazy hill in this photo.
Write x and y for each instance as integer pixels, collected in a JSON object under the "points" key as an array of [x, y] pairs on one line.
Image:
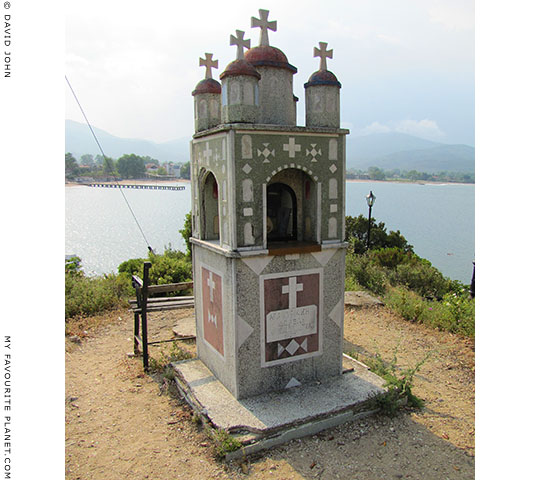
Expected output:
{"points": [[383, 150], [406, 152], [450, 158], [79, 140]]}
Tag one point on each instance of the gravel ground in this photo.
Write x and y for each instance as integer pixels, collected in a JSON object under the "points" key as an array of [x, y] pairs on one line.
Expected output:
{"points": [[120, 422]]}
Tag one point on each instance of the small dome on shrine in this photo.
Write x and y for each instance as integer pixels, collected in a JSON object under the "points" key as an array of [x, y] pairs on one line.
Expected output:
{"points": [[268, 56], [322, 77], [208, 85], [240, 67]]}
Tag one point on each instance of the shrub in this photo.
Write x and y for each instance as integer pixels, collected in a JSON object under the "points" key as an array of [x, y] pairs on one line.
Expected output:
{"points": [[422, 278], [173, 266], [360, 271], [91, 295], [455, 313], [186, 232], [356, 234]]}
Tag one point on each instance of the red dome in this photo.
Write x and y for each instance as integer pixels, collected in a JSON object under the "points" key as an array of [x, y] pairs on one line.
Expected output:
{"points": [[268, 56], [322, 77], [208, 85], [240, 67]]}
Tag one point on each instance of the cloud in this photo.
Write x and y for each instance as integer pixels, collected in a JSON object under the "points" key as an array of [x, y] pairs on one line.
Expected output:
{"points": [[421, 128], [375, 127], [425, 128], [454, 15]]}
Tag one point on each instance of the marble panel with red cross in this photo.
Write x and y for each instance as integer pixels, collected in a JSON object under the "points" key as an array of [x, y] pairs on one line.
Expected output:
{"points": [[212, 309], [291, 317]]}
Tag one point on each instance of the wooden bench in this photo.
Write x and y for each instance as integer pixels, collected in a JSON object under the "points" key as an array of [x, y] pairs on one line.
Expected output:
{"points": [[143, 303]]}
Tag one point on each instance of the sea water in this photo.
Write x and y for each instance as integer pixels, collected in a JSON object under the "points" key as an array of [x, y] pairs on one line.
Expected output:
{"points": [[438, 220]]}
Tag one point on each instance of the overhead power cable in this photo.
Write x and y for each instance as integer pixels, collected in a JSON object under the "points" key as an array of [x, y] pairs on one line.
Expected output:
{"points": [[103, 154]]}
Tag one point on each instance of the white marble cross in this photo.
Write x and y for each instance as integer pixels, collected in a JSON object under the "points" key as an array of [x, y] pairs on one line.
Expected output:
{"points": [[291, 289], [264, 25], [291, 147], [207, 154], [208, 63], [240, 44], [211, 284], [323, 53]]}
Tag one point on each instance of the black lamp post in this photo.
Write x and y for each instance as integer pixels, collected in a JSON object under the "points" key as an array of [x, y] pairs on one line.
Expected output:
{"points": [[370, 199]]}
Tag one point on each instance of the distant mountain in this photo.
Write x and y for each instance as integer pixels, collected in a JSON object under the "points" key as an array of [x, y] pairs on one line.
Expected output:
{"points": [[450, 158], [79, 140], [406, 152], [383, 150]]}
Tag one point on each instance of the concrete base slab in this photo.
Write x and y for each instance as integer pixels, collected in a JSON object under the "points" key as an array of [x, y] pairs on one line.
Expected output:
{"points": [[361, 299], [185, 328], [267, 420]]}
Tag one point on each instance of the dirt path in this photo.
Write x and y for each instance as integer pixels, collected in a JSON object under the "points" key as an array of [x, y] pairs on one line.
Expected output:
{"points": [[122, 424]]}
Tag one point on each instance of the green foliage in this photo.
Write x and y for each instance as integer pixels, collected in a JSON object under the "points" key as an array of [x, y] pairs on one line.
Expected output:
{"points": [[131, 166], [361, 271], [173, 266], [160, 363], [399, 383], [455, 313], [109, 166], [422, 278], [378, 269], [92, 295], [408, 282], [223, 441], [396, 174], [186, 232], [73, 266], [133, 266], [185, 171], [356, 233], [72, 167]]}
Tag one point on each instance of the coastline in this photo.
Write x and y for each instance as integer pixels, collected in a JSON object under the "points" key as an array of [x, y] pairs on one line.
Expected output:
{"points": [[403, 182], [183, 180], [139, 181]]}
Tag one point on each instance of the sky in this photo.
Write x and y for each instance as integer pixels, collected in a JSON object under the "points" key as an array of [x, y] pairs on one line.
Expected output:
{"points": [[405, 66]]}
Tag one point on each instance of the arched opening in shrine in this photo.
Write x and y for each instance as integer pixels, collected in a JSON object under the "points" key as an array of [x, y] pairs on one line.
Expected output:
{"points": [[209, 208], [291, 207]]}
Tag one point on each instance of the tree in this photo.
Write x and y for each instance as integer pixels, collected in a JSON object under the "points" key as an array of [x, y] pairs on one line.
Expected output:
{"points": [[161, 171], [356, 233], [186, 232], [185, 171], [87, 159], [72, 167], [109, 167], [131, 166], [375, 173]]}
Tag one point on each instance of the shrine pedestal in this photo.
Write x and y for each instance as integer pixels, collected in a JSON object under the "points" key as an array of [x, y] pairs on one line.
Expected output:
{"points": [[264, 421]]}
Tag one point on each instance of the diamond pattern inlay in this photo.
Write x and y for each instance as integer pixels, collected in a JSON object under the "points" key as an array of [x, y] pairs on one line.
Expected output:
{"points": [[266, 152], [292, 347], [313, 152]]}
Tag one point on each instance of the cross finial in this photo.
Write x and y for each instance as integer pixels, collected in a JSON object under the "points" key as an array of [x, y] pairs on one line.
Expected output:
{"points": [[323, 53], [208, 63], [240, 43], [264, 25]]}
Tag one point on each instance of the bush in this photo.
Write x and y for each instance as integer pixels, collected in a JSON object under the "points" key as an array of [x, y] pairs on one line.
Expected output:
{"points": [[186, 232], [455, 313], [356, 234], [360, 271], [173, 266], [89, 296], [422, 278]]}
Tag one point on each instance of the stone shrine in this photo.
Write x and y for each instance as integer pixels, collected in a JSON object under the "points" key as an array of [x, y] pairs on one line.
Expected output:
{"points": [[268, 204]]}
